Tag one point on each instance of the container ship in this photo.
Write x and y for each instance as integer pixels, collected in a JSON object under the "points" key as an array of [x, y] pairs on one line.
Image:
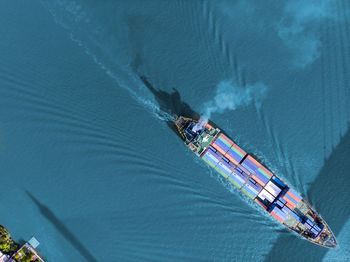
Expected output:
{"points": [[254, 180]]}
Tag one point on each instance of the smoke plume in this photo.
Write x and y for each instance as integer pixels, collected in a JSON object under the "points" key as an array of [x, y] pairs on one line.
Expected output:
{"points": [[230, 96]]}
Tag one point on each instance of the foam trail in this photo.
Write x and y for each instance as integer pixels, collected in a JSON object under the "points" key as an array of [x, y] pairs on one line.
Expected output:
{"points": [[229, 96], [71, 17]]}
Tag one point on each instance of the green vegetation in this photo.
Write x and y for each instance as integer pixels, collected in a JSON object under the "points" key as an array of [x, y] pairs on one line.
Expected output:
{"points": [[7, 245], [25, 255]]}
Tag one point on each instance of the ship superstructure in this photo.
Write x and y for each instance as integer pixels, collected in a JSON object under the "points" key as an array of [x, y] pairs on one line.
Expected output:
{"points": [[255, 180]]}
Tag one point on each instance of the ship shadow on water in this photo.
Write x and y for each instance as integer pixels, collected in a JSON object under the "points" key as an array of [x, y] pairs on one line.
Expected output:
{"points": [[62, 228], [330, 196], [171, 103]]}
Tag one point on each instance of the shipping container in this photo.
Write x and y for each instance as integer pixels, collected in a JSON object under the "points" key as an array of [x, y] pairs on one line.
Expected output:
{"points": [[209, 161], [279, 182], [225, 140], [265, 172], [282, 200], [233, 154], [291, 198], [251, 164], [295, 194], [294, 215], [314, 231], [221, 144], [246, 190], [239, 176], [262, 174], [279, 203], [250, 189], [290, 205], [261, 177], [258, 180], [238, 150], [223, 170], [256, 186], [237, 181], [279, 213], [286, 210], [243, 169], [272, 188], [289, 193], [317, 228], [266, 195], [218, 148], [260, 203], [277, 217], [239, 169]]}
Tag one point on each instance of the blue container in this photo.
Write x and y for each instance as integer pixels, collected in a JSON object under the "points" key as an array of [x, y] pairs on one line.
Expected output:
{"points": [[227, 172], [279, 203], [212, 148], [279, 213], [317, 228], [279, 182], [295, 193], [244, 176], [314, 231], [252, 186], [234, 155], [212, 156], [239, 170], [295, 215], [225, 159], [221, 144], [263, 178], [246, 188], [229, 165], [307, 225], [282, 200], [261, 174], [286, 210], [213, 161], [236, 178], [291, 199], [248, 164]]}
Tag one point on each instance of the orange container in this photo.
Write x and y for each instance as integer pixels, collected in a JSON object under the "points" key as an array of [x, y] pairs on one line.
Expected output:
{"points": [[293, 196], [261, 183], [261, 204], [218, 149], [277, 217]]}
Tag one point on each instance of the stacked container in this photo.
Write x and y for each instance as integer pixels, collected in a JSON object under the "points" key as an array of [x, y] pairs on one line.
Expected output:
{"points": [[212, 157], [221, 144], [251, 188], [292, 198], [224, 167], [237, 178], [260, 173]]}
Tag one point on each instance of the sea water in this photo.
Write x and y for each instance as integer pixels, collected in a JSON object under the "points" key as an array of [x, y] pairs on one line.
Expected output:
{"points": [[89, 164]]}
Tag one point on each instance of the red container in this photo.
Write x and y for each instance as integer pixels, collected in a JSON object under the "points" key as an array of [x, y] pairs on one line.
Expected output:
{"points": [[261, 204], [277, 217], [289, 203], [258, 180], [293, 196], [218, 149]]}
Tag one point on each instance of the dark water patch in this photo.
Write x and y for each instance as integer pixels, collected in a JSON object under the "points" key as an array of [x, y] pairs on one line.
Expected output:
{"points": [[329, 194], [63, 229], [343, 11], [171, 103]]}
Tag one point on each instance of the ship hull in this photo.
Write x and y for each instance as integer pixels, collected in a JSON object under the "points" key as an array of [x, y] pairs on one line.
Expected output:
{"points": [[255, 180]]}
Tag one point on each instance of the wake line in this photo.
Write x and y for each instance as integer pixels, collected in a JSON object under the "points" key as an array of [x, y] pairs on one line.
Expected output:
{"points": [[127, 72]]}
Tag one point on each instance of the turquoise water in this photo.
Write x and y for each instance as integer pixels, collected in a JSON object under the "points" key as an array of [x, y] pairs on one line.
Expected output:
{"points": [[89, 164]]}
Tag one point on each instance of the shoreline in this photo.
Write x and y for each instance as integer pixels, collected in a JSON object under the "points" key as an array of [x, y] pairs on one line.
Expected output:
{"points": [[11, 251]]}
